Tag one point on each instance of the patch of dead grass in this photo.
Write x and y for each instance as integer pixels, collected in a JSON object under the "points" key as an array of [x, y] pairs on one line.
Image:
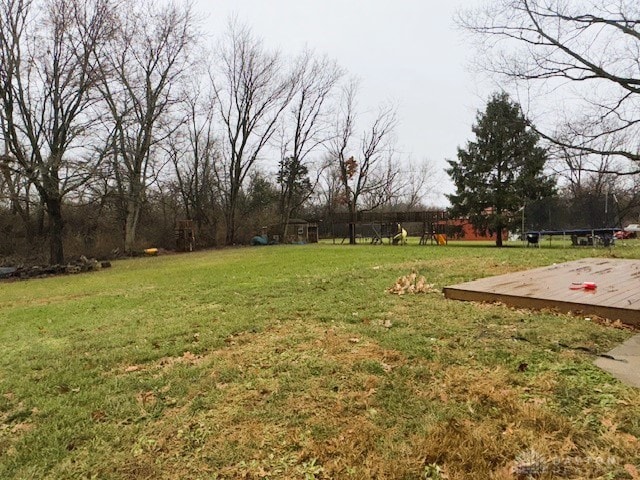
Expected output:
{"points": [[505, 421], [300, 399], [260, 427]]}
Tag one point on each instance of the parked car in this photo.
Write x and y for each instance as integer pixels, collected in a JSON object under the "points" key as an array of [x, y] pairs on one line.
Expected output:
{"points": [[630, 231]]}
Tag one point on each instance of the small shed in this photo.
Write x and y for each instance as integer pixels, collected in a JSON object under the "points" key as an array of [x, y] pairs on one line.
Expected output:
{"points": [[300, 231]]}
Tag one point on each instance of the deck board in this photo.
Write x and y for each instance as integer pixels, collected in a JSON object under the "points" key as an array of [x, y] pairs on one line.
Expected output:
{"points": [[617, 296]]}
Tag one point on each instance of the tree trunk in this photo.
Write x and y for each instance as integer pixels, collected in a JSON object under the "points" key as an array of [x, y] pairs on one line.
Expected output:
{"points": [[230, 213], [499, 236], [131, 226], [56, 228], [40, 210], [230, 236], [352, 223], [17, 209], [214, 231], [286, 218]]}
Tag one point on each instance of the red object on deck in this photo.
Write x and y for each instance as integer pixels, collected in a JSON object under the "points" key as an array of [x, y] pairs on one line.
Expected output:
{"points": [[583, 285]]}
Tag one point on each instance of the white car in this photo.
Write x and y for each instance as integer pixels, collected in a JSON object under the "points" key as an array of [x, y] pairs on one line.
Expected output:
{"points": [[634, 227]]}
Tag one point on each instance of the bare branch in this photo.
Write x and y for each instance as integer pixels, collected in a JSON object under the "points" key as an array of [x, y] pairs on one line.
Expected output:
{"points": [[582, 57]]}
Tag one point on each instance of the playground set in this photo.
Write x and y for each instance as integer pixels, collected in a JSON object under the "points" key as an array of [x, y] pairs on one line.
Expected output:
{"points": [[376, 228]]}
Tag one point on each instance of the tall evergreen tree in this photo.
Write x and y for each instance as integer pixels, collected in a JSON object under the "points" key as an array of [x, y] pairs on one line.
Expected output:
{"points": [[499, 172]]}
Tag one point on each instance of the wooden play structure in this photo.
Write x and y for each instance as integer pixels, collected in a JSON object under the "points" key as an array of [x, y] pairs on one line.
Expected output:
{"points": [[185, 236], [431, 226]]}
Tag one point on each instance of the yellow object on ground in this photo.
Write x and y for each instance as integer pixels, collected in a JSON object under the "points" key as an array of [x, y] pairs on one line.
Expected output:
{"points": [[442, 240], [151, 251]]}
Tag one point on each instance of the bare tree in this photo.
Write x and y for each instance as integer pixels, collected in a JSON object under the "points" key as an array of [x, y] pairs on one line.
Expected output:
{"points": [[328, 194], [584, 54], [47, 79], [16, 189], [252, 88], [588, 177], [193, 152], [627, 199], [405, 185], [421, 184], [362, 162], [577, 169], [150, 53], [385, 185], [15, 186], [306, 128]]}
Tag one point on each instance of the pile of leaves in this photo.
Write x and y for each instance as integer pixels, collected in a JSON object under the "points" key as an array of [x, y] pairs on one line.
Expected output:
{"points": [[411, 283]]}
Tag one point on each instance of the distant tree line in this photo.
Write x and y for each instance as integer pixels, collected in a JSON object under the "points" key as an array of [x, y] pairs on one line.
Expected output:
{"points": [[117, 120]]}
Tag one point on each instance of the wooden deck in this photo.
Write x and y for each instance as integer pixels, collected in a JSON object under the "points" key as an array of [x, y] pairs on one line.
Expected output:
{"points": [[617, 296]]}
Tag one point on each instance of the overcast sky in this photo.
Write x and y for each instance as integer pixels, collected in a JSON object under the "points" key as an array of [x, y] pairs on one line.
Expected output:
{"points": [[408, 52]]}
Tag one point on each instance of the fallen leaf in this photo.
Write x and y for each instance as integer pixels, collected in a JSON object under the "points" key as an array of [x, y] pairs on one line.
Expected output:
{"points": [[633, 471], [609, 424], [189, 357], [386, 367], [21, 427], [629, 439], [132, 368], [146, 398], [98, 416], [508, 430]]}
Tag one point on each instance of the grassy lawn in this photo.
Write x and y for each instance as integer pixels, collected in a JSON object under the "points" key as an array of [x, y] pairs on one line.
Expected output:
{"points": [[294, 362]]}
